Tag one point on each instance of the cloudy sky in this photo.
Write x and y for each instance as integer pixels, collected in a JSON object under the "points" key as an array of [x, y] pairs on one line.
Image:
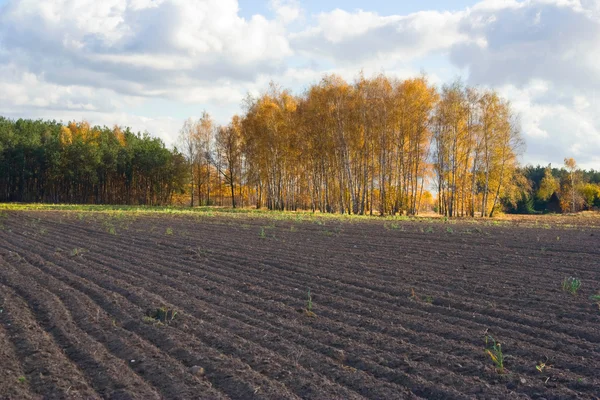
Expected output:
{"points": [[150, 64]]}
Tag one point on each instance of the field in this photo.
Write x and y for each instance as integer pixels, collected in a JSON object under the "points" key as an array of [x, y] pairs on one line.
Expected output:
{"points": [[121, 305]]}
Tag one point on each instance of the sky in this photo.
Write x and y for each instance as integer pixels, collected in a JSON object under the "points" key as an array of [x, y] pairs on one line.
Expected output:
{"points": [[151, 64]]}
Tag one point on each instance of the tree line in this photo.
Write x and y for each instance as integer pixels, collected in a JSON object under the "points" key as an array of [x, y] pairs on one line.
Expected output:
{"points": [[46, 161], [552, 189], [374, 145]]}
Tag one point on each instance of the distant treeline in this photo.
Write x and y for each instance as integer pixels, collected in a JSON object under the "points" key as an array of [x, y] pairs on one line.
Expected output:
{"points": [[375, 146], [551, 189], [46, 161]]}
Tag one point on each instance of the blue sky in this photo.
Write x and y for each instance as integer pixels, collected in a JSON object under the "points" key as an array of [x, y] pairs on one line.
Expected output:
{"points": [[383, 7], [150, 64]]}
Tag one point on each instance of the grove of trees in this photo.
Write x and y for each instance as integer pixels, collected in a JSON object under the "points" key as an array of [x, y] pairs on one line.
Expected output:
{"points": [[46, 161], [370, 146]]}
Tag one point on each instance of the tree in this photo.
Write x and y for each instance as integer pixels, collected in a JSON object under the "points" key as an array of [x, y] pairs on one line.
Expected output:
{"points": [[548, 185], [229, 143], [571, 167], [189, 145]]}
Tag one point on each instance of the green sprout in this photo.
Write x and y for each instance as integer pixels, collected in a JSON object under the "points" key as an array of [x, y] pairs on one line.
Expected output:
{"points": [[571, 285], [494, 350]]}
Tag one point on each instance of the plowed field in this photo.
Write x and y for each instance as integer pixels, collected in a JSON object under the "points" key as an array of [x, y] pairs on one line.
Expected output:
{"points": [[399, 309]]}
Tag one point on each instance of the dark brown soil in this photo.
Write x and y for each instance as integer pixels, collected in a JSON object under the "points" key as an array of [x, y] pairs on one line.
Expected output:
{"points": [[128, 306]]}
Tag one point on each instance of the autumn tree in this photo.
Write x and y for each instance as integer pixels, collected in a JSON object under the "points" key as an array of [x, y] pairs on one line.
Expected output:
{"points": [[189, 145], [229, 144], [548, 185], [571, 167]]}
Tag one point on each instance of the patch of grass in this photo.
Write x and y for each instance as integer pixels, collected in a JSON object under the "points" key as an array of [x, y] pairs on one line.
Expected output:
{"points": [[332, 232], [262, 233], [571, 285], [149, 320], [169, 231], [76, 252], [494, 350], [392, 226], [163, 314], [449, 230], [596, 299], [21, 379]]}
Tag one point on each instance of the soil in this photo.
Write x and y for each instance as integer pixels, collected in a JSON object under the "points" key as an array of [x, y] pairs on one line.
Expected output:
{"points": [[143, 306]]}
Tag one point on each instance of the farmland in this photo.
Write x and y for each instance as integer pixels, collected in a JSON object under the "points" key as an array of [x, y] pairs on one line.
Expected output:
{"points": [[117, 304]]}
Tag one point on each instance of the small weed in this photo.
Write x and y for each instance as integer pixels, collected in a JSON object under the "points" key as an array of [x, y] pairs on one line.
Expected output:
{"points": [[22, 379], [494, 350], [112, 230], [169, 231], [596, 299], [162, 314], [449, 230], [428, 299], [309, 306], [413, 295], [293, 229], [392, 225], [571, 285], [76, 252], [429, 229], [540, 367], [262, 233]]}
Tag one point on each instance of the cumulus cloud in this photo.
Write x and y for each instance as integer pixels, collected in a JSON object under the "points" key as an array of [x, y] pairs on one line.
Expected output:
{"points": [[74, 59], [92, 59], [361, 35], [140, 47], [551, 40], [556, 124]]}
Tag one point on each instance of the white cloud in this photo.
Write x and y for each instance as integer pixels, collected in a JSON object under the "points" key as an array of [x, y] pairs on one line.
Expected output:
{"points": [[565, 124], [554, 40], [286, 10], [76, 59], [140, 47], [354, 37]]}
